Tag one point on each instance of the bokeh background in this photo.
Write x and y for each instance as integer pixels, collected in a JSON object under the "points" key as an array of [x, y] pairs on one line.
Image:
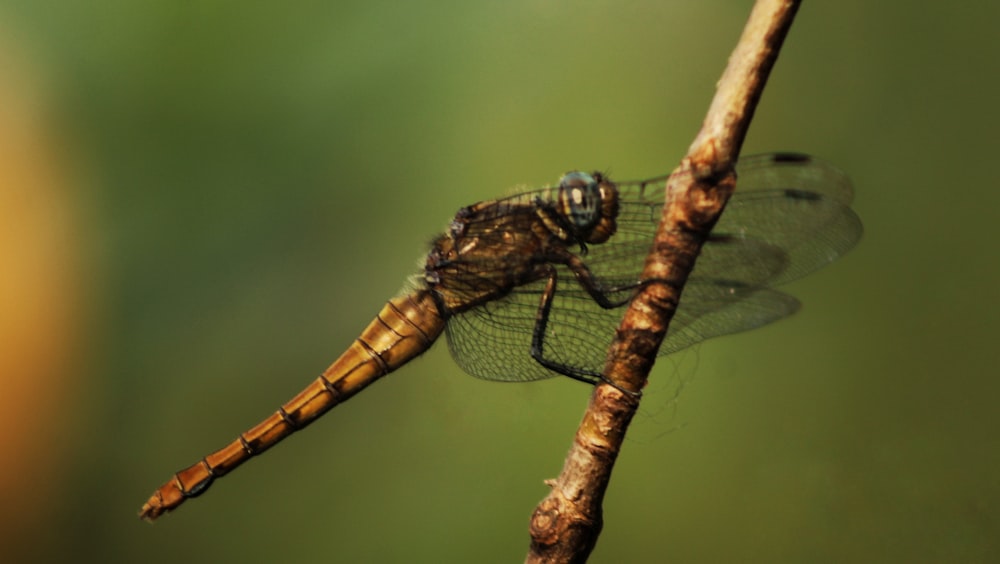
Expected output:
{"points": [[201, 204]]}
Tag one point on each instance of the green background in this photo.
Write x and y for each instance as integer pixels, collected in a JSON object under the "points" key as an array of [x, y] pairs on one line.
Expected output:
{"points": [[253, 183]]}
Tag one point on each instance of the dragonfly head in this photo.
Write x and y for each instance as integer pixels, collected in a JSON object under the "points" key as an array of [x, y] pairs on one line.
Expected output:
{"points": [[589, 204]]}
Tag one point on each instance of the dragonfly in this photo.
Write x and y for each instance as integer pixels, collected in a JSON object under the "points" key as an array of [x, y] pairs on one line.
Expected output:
{"points": [[534, 285]]}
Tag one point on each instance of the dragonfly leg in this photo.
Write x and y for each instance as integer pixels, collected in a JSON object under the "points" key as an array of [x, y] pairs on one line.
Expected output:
{"points": [[538, 336], [538, 341], [599, 293]]}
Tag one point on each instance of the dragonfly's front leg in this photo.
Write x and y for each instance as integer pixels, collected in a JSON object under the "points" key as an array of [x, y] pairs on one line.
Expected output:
{"points": [[589, 283]]}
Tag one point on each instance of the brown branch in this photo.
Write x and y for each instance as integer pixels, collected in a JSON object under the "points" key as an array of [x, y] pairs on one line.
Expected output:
{"points": [[566, 524]]}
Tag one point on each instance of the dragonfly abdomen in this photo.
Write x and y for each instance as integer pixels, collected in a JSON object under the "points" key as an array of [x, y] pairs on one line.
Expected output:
{"points": [[406, 327]]}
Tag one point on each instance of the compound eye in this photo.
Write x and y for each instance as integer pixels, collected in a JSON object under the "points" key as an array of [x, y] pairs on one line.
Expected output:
{"points": [[580, 201]]}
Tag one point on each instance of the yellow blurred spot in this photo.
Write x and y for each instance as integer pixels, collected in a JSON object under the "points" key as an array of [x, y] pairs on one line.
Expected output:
{"points": [[39, 305]]}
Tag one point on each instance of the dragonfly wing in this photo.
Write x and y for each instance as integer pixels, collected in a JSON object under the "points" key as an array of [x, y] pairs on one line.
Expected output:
{"points": [[709, 311], [798, 204], [793, 171], [726, 293], [493, 341], [789, 216]]}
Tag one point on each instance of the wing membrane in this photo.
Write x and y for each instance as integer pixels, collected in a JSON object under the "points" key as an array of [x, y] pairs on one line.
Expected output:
{"points": [[789, 216]]}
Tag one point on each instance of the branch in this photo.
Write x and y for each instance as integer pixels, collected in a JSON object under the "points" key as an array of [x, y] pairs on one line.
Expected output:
{"points": [[566, 524]]}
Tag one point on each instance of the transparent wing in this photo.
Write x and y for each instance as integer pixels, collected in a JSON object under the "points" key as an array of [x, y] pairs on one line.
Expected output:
{"points": [[789, 216], [493, 341]]}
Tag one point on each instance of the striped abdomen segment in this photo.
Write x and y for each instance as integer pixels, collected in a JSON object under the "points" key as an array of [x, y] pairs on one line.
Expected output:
{"points": [[406, 327]]}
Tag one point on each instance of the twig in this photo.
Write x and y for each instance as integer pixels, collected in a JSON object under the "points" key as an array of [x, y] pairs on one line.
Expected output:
{"points": [[566, 524]]}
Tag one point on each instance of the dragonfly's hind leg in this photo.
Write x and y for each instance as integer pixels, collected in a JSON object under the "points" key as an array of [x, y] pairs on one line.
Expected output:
{"points": [[538, 336], [538, 339]]}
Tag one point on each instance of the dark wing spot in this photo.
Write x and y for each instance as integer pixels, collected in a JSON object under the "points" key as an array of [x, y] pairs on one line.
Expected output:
{"points": [[796, 194], [790, 158]]}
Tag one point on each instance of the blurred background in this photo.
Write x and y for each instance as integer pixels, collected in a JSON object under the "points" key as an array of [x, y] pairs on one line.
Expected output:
{"points": [[202, 204]]}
